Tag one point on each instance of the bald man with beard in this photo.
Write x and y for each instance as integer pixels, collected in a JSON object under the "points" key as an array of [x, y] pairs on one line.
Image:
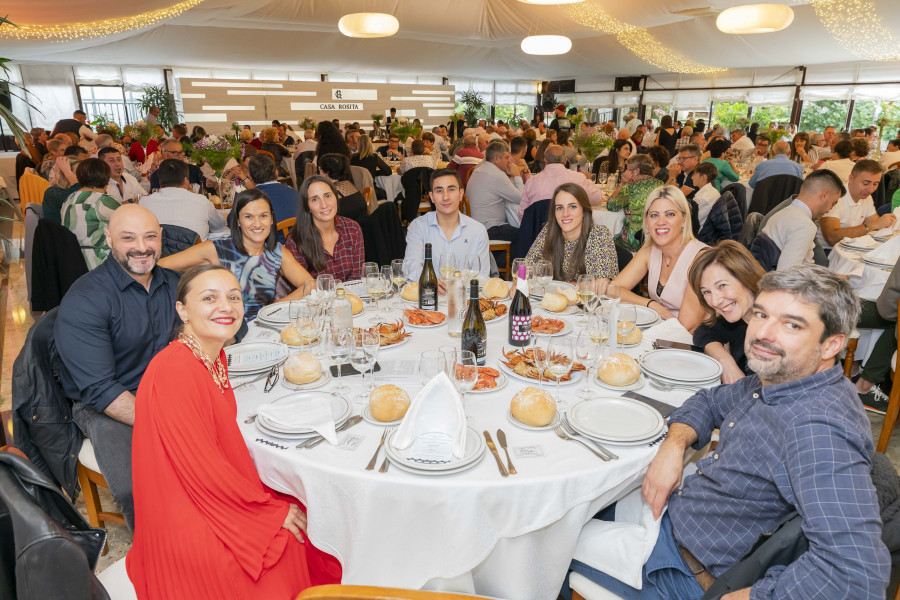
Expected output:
{"points": [[111, 322]]}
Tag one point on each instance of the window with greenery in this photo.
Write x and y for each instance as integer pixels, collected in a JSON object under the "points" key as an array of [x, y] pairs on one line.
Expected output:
{"points": [[657, 111], [112, 101], [819, 114], [730, 115], [511, 112], [766, 114]]}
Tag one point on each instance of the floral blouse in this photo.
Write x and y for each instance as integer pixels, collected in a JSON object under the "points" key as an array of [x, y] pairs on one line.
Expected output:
{"points": [[631, 199], [599, 255]]}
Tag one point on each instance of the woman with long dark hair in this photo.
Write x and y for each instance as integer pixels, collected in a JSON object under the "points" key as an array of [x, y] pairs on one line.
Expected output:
{"points": [[351, 202], [613, 162], [330, 141], [252, 253], [754, 131], [571, 241], [799, 149], [666, 136]]}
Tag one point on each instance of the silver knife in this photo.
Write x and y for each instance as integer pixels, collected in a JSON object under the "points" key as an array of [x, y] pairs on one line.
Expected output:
{"points": [[318, 440], [501, 437], [490, 443]]}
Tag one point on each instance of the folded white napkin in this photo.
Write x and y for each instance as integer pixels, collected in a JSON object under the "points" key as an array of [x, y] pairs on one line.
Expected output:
{"points": [[671, 330], [887, 253], [620, 548], [865, 241], [309, 413], [434, 428]]}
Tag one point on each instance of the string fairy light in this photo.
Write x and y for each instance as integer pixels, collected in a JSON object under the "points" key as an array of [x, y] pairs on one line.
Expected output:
{"points": [[637, 39], [857, 27], [95, 29]]}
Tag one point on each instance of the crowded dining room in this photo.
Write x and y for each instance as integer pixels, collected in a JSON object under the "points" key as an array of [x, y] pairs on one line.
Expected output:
{"points": [[449, 299]]}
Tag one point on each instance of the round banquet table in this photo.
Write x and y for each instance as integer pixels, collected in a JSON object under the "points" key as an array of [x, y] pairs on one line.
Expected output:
{"points": [[614, 220], [474, 531]]}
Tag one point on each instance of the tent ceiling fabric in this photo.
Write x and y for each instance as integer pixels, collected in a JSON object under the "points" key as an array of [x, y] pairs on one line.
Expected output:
{"points": [[470, 38]]}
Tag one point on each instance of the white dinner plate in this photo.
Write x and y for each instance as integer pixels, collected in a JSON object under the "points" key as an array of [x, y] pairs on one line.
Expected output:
{"points": [[567, 329], [665, 380], [443, 473], [623, 388], [619, 419], [340, 410], [323, 379], [550, 287], [644, 442], [576, 377], [684, 366], [275, 314], [569, 310], [644, 317], [518, 423], [475, 448], [249, 357], [877, 263], [502, 380], [398, 344]]}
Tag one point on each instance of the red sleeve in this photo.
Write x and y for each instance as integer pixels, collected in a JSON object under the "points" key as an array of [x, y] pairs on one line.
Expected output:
{"points": [[232, 500], [357, 249]]}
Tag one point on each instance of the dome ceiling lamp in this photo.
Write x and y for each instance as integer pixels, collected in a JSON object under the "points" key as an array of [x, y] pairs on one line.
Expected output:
{"points": [[368, 25], [755, 18], [546, 45]]}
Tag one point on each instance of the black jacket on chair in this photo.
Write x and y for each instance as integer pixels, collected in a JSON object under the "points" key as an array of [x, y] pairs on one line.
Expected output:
{"points": [[533, 220], [416, 183], [772, 191], [383, 235], [47, 549], [740, 194], [766, 252], [724, 221], [176, 238], [56, 263], [41, 413]]}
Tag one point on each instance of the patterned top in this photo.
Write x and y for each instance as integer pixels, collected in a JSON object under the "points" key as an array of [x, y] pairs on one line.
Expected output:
{"points": [[345, 262], [804, 445], [256, 274], [416, 160], [86, 214], [631, 199], [599, 255]]}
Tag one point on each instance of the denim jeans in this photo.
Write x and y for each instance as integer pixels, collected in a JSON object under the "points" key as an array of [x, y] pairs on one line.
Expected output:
{"points": [[112, 447]]}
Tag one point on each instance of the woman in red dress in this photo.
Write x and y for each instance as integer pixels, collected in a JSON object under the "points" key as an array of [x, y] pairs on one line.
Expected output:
{"points": [[205, 525]]}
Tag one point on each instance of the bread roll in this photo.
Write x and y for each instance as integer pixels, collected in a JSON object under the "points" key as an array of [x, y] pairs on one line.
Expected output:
{"points": [[355, 303], [619, 370], [388, 403], [554, 302], [533, 406], [291, 337], [634, 337], [410, 292], [568, 293], [496, 288], [302, 368]]}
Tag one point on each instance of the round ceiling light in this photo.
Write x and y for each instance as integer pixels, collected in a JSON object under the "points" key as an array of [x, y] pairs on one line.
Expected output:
{"points": [[755, 18], [368, 25], [546, 45], [550, 2]]}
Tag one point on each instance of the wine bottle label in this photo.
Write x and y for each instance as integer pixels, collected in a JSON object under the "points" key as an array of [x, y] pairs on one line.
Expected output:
{"points": [[521, 328], [428, 300]]}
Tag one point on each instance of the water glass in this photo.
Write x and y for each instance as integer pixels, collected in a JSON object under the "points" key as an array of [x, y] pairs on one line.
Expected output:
{"points": [[337, 346], [363, 355], [449, 353], [376, 286], [447, 265], [626, 324], [544, 273], [585, 290], [465, 373], [560, 356], [588, 352], [431, 364], [325, 285], [539, 347]]}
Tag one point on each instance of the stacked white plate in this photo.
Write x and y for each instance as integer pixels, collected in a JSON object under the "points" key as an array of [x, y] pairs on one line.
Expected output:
{"points": [[340, 410], [550, 287], [681, 367], [276, 315], [645, 317], [475, 449], [856, 246], [620, 421], [254, 357], [881, 264]]}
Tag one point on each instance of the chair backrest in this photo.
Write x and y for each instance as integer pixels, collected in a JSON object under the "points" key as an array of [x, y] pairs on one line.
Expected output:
{"points": [[772, 190], [740, 194], [269, 154], [176, 238], [465, 172], [724, 221], [31, 189], [303, 159], [365, 592], [892, 184], [284, 227], [752, 225], [464, 207], [361, 177], [766, 252], [533, 220]]}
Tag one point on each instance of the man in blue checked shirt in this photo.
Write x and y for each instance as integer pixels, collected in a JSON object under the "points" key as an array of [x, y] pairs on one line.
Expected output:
{"points": [[793, 436]]}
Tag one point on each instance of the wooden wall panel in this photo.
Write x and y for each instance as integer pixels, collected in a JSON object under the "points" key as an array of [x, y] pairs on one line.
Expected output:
{"points": [[216, 103]]}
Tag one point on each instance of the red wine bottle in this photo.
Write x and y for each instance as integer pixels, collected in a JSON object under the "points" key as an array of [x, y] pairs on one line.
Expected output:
{"points": [[520, 313]]}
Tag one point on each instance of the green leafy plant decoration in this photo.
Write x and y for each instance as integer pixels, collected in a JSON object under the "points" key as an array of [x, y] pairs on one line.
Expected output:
{"points": [[16, 125], [474, 106], [377, 117], [157, 95]]}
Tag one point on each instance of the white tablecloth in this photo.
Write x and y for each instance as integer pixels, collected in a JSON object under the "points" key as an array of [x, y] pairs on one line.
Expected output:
{"points": [[390, 184], [867, 280], [472, 532], [614, 220]]}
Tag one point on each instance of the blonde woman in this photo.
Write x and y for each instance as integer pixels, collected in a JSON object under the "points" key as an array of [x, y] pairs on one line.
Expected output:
{"points": [[269, 139], [665, 259], [368, 159]]}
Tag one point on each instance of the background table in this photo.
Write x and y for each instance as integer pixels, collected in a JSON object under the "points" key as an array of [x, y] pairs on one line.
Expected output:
{"points": [[614, 220], [473, 532], [390, 184]]}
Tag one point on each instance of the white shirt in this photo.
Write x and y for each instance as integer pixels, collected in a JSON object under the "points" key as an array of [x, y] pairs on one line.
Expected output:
{"points": [[469, 239], [793, 231], [841, 166], [489, 191], [305, 146], [649, 139], [132, 189], [756, 159], [849, 213], [632, 125], [184, 208], [889, 158], [705, 198]]}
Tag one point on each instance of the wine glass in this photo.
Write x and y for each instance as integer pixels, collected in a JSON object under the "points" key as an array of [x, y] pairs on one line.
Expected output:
{"points": [[515, 268], [465, 374], [544, 273], [431, 363], [560, 355], [370, 267], [626, 323], [376, 286], [447, 265], [449, 353], [337, 346], [362, 356], [472, 268], [585, 292], [306, 323], [539, 354], [398, 278], [587, 352], [325, 286]]}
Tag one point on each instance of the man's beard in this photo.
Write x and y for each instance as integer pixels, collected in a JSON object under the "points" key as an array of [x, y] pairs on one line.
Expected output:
{"points": [[781, 368], [126, 264]]}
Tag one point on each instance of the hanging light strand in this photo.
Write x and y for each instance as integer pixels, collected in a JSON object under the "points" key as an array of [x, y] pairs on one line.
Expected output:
{"points": [[636, 39], [856, 26], [96, 29]]}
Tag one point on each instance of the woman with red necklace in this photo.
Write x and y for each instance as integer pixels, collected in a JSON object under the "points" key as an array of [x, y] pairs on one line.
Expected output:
{"points": [[205, 525]]}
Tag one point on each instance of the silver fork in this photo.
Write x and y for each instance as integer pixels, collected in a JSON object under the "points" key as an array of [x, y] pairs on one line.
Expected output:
{"points": [[562, 434], [667, 387], [386, 463], [372, 462], [571, 431]]}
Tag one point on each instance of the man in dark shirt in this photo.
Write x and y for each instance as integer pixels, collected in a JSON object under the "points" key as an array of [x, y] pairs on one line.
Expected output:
{"points": [[172, 148], [111, 322], [792, 437], [681, 174], [284, 198], [561, 123]]}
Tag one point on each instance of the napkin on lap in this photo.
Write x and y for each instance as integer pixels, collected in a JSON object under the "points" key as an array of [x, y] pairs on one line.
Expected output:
{"points": [[888, 253], [309, 413], [434, 428]]}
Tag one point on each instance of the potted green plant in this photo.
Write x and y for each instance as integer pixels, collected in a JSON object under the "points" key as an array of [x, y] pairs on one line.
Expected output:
{"points": [[159, 96]]}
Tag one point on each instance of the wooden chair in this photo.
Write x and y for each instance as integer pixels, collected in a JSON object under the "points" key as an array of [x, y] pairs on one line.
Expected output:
{"points": [[890, 418], [367, 194], [464, 206], [365, 592], [851, 350], [501, 246], [89, 477], [31, 189], [896, 165], [286, 225]]}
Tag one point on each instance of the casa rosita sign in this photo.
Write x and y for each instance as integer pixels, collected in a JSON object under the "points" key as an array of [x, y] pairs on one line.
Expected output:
{"points": [[326, 106]]}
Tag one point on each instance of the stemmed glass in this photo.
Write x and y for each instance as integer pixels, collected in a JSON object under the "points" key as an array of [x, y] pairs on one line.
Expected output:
{"points": [[376, 286], [325, 285], [586, 294], [363, 355], [472, 268], [398, 278], [539, 347], [305, 323], [447, 265], [626, 324], [543, 271], [449, 353], [465, 374], [431, 363], [369, 267], [587, 351], [337, 346], [560, 355]]}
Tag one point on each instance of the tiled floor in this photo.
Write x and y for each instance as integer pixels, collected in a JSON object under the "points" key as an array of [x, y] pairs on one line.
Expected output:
{"points": [[18, 320]]}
